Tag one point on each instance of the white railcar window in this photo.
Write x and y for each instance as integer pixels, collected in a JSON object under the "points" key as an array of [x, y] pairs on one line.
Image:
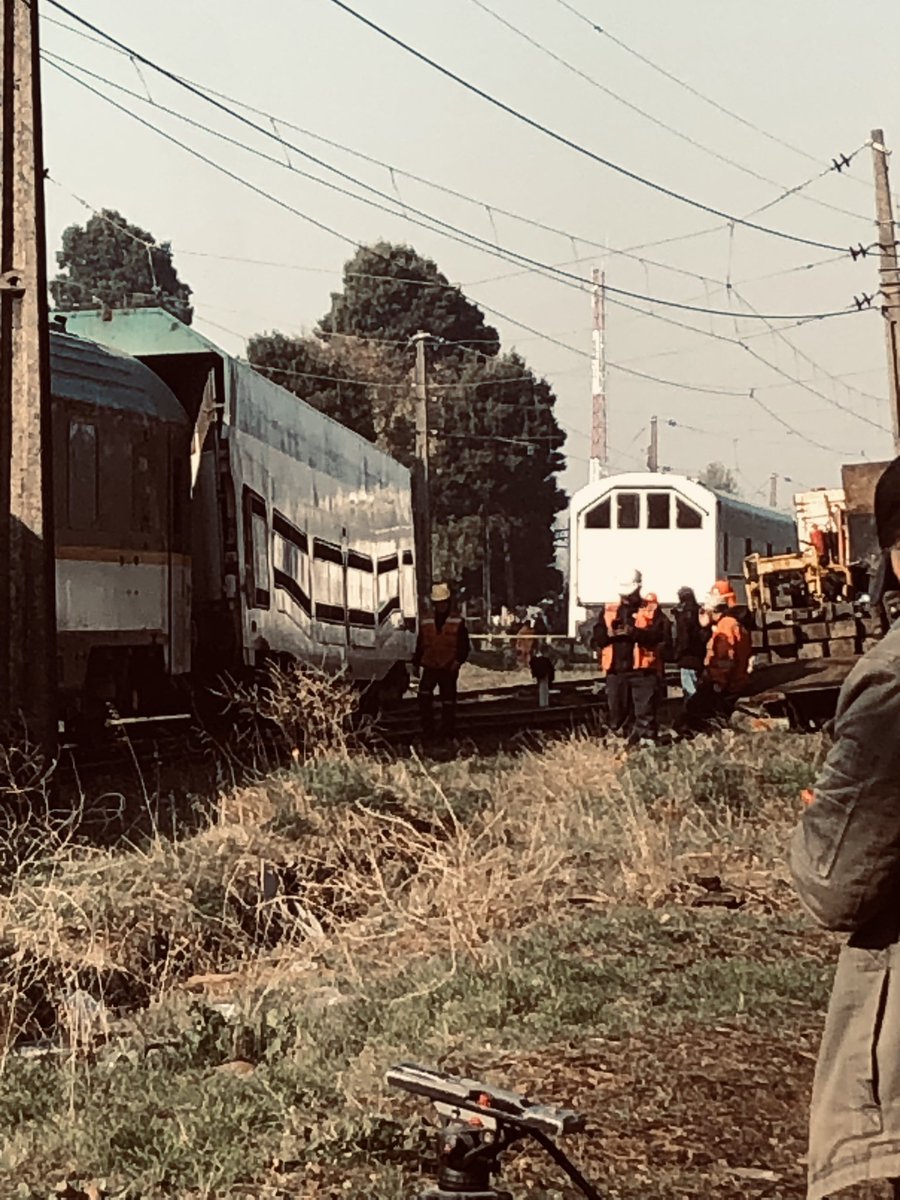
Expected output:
{"points": [[388, 586], [599, 517], [628, 510], [360, 588], [328, 582], [256, 549], [658, 510], [82, 475], [408, 586], [291, 566], [686, 516]]}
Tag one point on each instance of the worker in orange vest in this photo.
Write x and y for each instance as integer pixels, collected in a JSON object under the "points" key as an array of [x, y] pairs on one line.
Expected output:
{"points": [[727, 661], [630, 637], [441, 649]]}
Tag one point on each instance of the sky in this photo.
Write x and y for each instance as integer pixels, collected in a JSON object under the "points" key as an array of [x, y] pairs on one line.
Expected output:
{"points": [[804, 82]]}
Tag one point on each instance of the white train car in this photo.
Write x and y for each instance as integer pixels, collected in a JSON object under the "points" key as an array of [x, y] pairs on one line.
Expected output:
{"points": [[302, 531], [675, 531]]}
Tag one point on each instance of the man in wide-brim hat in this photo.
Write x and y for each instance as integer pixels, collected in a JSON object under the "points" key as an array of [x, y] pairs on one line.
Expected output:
{"points": [[845, 859]]}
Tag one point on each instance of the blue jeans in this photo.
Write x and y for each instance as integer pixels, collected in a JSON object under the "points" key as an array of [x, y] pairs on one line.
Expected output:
{"points": [[688, 681]]}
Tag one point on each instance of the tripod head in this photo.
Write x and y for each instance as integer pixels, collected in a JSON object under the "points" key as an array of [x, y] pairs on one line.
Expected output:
{"points": [[478, 1122]]}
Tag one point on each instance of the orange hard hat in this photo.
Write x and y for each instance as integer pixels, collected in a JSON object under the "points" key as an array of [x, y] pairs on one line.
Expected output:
{"points": [[651, 598]]}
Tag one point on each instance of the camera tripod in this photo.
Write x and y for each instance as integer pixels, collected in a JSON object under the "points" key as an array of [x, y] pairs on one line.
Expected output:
{"points": [[480, 1121]]}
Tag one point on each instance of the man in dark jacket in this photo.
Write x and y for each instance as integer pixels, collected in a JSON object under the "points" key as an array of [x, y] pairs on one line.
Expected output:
{"points": [[690, 640], [845, 859]]}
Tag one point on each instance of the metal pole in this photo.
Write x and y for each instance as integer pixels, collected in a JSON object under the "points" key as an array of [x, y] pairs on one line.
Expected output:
{"points": [[421, 494], [653, 448], [773, 491], [27, 558], [599, 439], [890, 277]]}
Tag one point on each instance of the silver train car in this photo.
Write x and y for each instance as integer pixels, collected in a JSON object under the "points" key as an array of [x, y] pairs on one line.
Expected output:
{"points": [[300, 531]]}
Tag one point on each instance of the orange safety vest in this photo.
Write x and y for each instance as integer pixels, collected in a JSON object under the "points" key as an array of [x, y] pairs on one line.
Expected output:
{"points": [[646, 658], [728, 654], [439, 647]]}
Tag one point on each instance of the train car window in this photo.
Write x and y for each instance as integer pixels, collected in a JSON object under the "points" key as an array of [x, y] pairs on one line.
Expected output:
{"points": [[725, 562], [686, 516], [628, 510], [768, 549], [599, 516], [658, 506], [256, 549], [748, 546], [388, 586], [291, 567], [328, 582], [82, 475], [360, 589]]}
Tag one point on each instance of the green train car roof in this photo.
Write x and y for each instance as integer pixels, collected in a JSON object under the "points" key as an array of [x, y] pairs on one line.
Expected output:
{"points": [[81, 370]]}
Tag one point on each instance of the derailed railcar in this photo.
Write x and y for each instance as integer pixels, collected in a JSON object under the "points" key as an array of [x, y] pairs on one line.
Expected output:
{"points": [[674, 530], [121, 480], [302, 534]]}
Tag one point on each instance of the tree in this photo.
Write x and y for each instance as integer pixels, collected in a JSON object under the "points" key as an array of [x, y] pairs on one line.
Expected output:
{"points": [[391, 292], [113, 264], [312, 371], [719, 478]]}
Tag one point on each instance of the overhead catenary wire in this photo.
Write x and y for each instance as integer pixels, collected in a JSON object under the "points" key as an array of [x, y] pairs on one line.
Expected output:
{"points": [[671, 129], [562, 139], [532, 122], [446, 229], [604, 32]]}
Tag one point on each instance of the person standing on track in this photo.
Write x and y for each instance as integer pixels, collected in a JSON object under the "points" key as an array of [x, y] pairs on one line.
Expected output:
{"points": [[845, 860], [630, 637], [690, 640], [727, 662], [441, 649]]}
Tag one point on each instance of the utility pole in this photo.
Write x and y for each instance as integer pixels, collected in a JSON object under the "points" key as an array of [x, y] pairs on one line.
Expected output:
{"points": [[653, 448], [599, 426], [773, 491], [420, 488], [27, 551], [890, 276]]}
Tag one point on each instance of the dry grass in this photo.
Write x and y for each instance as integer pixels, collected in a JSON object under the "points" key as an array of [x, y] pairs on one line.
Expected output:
{"points": [[358, 853], [438, 897]]}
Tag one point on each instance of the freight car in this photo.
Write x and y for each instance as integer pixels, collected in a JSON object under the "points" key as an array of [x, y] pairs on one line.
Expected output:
{"points": [[674, 530], [299, 533]]}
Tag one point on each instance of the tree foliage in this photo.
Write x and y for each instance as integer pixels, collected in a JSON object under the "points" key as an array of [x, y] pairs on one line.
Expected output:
{"points": [[720, 478], [494, 445], [112, 264]]}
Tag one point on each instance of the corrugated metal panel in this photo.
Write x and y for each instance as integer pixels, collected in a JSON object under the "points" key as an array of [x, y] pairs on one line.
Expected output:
{"points": [[84, 371]]}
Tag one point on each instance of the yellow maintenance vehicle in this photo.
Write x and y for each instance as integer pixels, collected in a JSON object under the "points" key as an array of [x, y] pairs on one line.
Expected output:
{"points": [[815, 603]]}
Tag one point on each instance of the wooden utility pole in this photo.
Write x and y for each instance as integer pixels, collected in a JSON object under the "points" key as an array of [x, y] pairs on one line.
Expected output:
{"points": [[420, 492], [27, 559], [890, 275], [653, 448]]}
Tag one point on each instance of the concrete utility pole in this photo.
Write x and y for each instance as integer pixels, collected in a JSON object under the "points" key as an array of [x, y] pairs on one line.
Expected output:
{"points": [[27, 559], [890, 275], [773, 491], [599, 439], [653, 448], [420, 489]]}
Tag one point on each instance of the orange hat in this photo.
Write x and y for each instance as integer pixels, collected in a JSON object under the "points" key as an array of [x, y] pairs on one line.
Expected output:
{"points": [[726, 591], [651, 598]]}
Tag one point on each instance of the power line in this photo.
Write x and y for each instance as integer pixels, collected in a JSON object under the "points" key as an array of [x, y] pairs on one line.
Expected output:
{"points": [[469, 86], [691, 141], [448, 230], [604, 32], [566, 141]]}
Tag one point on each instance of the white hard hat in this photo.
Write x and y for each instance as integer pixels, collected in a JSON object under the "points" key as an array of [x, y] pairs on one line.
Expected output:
{"points": [[629, 585], [440, 591]]}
